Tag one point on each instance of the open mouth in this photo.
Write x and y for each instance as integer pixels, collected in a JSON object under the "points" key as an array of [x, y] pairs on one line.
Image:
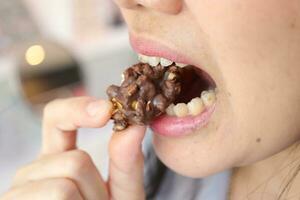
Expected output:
{"points": [[195, 104]]}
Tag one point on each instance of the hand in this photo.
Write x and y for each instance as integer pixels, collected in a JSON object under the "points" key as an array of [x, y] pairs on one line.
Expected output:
{"points": [[63, 172]]}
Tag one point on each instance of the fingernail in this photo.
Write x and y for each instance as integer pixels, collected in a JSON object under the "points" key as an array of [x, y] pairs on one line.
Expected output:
{"points": [[96, 107]]}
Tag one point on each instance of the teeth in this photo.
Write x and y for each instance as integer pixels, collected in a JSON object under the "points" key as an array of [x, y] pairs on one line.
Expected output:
{"points": [[153, 61], [181, 110], [170, 110], [181, 65], [196, 106], [208, 97], [142, 58], [165, 62], [122, 78]]}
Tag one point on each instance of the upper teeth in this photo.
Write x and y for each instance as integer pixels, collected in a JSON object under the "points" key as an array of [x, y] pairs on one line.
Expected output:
{"points": [[181, 64], [154, 61], [165, 62], [194, 107]]}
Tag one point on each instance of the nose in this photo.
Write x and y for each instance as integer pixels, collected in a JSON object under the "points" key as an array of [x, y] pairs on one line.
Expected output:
{"points": [[165, 6]]}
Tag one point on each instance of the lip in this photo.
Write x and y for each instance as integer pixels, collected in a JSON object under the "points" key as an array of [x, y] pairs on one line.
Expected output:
{"points": [[152, 48], [166, 125], [175, 126]]}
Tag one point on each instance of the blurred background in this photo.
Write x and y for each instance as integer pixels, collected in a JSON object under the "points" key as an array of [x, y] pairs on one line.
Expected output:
{"points": [[53, 49]]}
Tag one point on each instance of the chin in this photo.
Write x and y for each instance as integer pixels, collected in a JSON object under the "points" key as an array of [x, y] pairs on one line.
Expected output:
{"points": [[203, 151], [191, 158], [185, 165]]}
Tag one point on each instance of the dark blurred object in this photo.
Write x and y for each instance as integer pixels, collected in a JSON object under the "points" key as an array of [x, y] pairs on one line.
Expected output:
{"points": [[16, 24], [48, 71]]}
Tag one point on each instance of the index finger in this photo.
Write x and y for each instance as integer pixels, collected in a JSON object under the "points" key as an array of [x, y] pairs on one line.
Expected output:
{"points": [[63, 117]]}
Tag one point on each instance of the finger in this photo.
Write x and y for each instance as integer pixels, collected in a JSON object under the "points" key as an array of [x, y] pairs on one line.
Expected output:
{"points": [[63, 117], [75, 165], [126, 164], [47, 189]]}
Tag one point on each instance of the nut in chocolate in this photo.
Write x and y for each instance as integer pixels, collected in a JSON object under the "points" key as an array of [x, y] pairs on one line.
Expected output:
{"points": [[144, 94]]}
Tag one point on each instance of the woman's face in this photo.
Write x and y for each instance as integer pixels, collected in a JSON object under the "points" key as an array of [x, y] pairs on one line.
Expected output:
{"points": [[251, 49]]}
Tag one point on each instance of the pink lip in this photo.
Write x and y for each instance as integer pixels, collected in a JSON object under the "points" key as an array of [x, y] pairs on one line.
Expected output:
{"points": [[166, 125], [151, 48], [174, 126]]}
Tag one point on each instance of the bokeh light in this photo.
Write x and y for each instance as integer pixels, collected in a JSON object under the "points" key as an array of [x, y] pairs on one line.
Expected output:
{"points": [[35, 55]]}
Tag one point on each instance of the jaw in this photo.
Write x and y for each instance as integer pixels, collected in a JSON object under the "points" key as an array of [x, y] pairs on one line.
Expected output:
{"points": [[204, 151]]}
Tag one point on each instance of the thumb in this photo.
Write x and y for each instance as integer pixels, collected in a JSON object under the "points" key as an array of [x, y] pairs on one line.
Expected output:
{"points": [[126, 170]]}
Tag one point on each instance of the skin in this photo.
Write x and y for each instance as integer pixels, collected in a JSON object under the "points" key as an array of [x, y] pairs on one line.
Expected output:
{"points": [[251, 49], [63, 172]]}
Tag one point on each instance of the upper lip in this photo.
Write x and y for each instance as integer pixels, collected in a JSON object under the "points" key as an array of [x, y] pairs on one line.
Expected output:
{"points": [[150, 47]]}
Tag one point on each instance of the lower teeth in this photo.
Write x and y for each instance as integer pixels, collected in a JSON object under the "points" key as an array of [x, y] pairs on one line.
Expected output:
{"points": [[181, 110], [194, 107], [208, 97]]}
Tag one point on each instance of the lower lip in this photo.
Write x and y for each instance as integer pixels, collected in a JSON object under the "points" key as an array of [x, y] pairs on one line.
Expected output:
{"points": [[176, 127]]}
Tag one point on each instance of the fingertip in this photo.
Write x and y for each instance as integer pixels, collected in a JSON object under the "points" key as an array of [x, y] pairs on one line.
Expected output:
{"points": [[100, 111], [133, 129], [97, 107], [133, 134]]}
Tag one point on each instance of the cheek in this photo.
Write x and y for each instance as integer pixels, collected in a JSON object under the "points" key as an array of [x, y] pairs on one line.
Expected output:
{"points": [[248, 32], [256, 46]]}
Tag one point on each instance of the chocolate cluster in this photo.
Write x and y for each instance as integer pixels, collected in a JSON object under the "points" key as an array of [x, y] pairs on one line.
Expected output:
{"points": [[144, 94]]}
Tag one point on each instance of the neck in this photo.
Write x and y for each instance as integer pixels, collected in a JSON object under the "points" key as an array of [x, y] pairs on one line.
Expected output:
{"points": [[277, 177]]}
